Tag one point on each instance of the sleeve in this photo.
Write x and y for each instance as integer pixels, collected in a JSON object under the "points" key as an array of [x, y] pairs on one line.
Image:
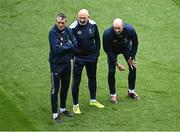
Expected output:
{"points": [[135, 43], [107, 48], [72, 40], [97, 39], [55, 43]]}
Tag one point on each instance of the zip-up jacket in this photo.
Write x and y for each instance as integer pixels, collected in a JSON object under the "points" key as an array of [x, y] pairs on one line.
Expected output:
{"points": [[114, 44], [88, 40], [62, 43]]}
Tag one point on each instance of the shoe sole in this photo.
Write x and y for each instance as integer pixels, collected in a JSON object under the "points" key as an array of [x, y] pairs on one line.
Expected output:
{"points": [[97, 106], [134, 98], [77, 113], [114, 102]]}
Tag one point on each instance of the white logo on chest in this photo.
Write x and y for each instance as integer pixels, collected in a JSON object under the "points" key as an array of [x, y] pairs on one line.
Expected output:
{"points": [[90, 31], [79, 32]]}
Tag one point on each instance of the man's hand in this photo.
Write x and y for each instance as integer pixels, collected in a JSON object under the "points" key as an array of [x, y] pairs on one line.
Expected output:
{"points": [[69, 42], [132, 63], [121, 67]]}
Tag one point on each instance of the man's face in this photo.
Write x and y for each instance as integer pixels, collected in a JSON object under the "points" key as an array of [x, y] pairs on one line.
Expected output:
{"points": [[83, 18], [60, 23], [118, 28]]}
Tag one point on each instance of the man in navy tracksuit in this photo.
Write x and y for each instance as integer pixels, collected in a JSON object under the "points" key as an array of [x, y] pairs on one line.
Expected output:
{"points": [[87, 52], [62, 43], [121, 39]]}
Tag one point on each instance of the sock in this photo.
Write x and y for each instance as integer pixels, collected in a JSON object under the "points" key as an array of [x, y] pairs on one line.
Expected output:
{"points": [[93, 100], [55, 115], [62, 109], [131, 91], [76, 105], [113, 95]]}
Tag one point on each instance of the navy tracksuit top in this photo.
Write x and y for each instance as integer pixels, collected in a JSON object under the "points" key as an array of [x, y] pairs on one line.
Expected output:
{"points": [[88, 41], [114, 44], [62, 44]]}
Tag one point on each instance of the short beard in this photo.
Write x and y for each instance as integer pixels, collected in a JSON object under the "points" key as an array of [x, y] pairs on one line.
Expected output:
{"points": [[82, 23], [117, 33]]}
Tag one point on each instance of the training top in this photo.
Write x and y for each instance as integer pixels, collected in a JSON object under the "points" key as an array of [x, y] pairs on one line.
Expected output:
{"points": [[88, 41], [114, 44], [62, 44]]}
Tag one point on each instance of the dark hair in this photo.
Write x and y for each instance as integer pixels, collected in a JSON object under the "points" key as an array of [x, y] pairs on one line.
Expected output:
{"points": [[62, 15]]}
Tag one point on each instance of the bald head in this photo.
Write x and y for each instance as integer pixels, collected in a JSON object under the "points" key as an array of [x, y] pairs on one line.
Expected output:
{"points": [[118, 22], [118, 25], [83, 16], [83, 12]]}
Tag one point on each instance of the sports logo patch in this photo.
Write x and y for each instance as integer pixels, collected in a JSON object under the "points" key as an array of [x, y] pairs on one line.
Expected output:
{"points": [[90, 31], [79, 32]]}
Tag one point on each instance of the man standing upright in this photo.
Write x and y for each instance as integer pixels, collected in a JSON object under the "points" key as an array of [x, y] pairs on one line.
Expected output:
{"points": [[121, 39], [87, 52], [62, 43]]}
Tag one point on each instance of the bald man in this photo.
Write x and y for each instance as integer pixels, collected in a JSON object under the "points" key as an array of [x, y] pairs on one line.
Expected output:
{"points": [[122, 39], [87, 53]]}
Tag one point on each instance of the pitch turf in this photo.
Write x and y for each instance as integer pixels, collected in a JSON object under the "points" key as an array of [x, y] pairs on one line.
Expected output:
{"points": [[25, 74]]}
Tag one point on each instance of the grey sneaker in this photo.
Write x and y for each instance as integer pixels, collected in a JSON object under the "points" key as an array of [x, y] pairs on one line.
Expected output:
{"points": [[58, 119], [67, 113], [134, 95]]}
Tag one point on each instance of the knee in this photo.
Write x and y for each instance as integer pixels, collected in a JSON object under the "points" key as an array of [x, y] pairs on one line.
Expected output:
{"points": [[76, 81], [92, 77], [111, 72]]}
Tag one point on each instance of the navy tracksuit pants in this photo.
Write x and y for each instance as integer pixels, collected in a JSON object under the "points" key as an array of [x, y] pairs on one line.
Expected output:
{"points": [[112, 69], [91, 74], [60, 84]]}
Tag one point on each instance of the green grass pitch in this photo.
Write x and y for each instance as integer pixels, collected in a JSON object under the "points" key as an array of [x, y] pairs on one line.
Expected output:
{"points": [[25, 72]]}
